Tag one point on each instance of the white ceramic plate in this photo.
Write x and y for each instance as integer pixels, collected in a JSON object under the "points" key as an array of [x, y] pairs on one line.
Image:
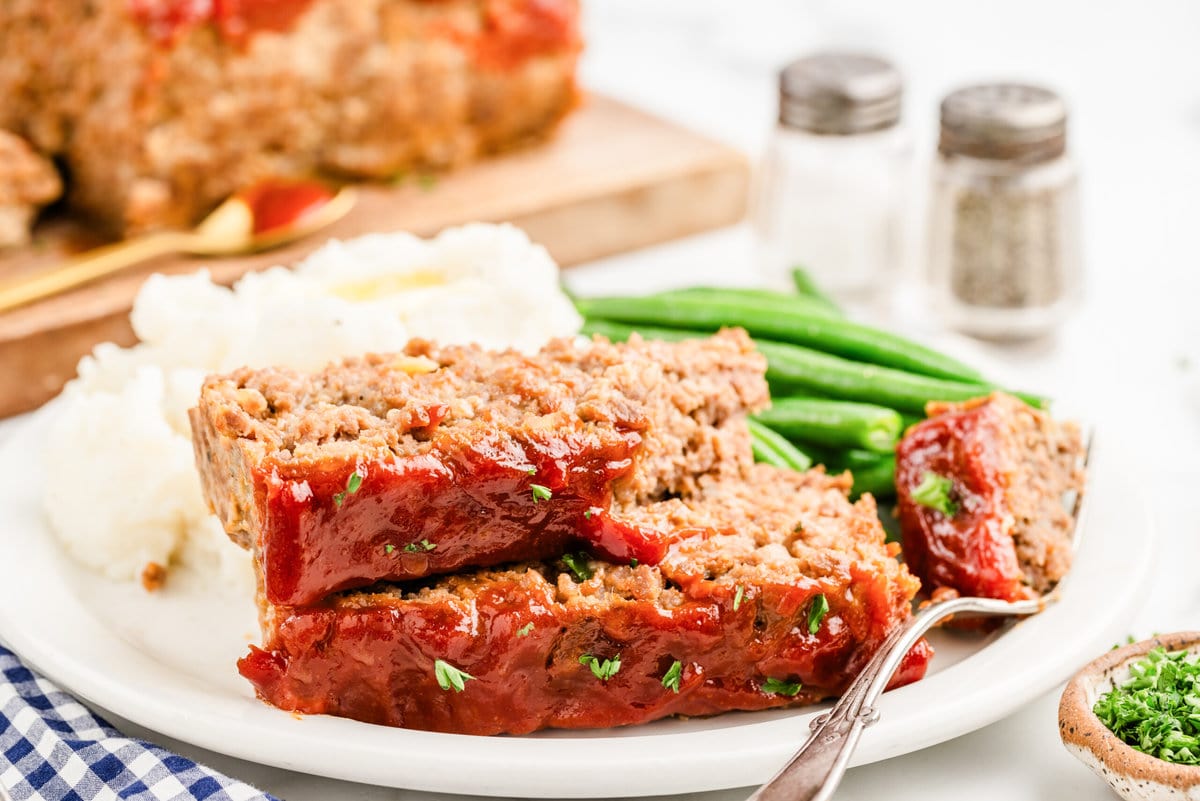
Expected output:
{"points": [[166, 661]]}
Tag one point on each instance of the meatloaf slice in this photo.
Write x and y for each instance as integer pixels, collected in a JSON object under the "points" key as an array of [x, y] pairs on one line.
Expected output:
{"points": [[985, 490], [28, 182], [401, 466], [162, 108], [779, 600]]}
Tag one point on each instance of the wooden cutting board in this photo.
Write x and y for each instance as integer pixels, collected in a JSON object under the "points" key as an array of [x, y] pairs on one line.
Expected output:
{"points": [[613, 179]]}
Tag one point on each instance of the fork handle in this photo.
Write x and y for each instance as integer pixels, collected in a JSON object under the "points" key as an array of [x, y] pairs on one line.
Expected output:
{"points": [[90, 266], [817, 768]]}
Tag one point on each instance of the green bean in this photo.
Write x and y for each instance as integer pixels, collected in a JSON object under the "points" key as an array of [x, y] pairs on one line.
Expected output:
{"points": [[797, 459], [856, 458], [829, 457], [775, 449], [879, 478], [835, 460], [834, 424], [807, 287], [764, 453], [793, 370], [619, 332], [872, 472], [773, 321], [785, 300]]}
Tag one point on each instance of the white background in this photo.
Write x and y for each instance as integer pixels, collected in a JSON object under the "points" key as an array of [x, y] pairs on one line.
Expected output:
{"points": [[1131, 74]]}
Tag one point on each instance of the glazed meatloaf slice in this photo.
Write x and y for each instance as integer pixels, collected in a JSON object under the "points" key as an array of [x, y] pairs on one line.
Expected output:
{"points": [[28, 181], [986, 491], [162, 108], [401, 466], [781, 595]]}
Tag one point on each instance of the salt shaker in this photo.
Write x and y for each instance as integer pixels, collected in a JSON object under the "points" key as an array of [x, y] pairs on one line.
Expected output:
{"points": [[831, 186], [1004, 241]]}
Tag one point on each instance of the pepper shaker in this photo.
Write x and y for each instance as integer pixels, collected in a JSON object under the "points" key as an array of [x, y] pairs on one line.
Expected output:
{"points": [[831, 184], [1004, 242]]}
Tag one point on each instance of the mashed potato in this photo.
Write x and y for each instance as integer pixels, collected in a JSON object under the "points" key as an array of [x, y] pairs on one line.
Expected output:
{"points": [[125, 492]]}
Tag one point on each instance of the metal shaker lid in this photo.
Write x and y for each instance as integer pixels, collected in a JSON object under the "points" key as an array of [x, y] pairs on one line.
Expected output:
{"points": [[1004, 121], [839, 93]]}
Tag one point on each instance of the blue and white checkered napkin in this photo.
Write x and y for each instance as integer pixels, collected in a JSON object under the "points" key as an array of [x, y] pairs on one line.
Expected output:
{"points": [[52, 748]]}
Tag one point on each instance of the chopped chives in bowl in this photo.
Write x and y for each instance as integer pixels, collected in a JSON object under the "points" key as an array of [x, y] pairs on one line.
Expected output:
{"points": [[1157, 710]]}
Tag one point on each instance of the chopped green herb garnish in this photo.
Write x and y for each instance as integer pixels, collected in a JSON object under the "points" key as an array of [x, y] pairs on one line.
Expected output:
{"points": [[671, 678], [531, 471], [737, 597], [540, 493], [352, 485], [816, 613], [602, 670], [934, 492], [778, 687], [524, 630], [1157, 711], [587, 515], [578, 564], [633, 562], [417, 547], [389, 548], [449, 676], [799, 529]]}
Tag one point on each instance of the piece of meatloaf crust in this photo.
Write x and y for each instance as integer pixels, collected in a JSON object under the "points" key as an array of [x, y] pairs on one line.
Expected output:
{"points": [[733, 618], [27, 183], [159, 109], [394, 467], [1014, 472]]}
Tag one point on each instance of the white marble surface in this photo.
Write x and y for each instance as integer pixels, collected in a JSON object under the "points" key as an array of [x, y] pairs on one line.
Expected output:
{"points": [[1131, 72]]}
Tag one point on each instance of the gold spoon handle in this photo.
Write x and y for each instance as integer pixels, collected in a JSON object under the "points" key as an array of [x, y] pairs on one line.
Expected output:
{"points": [[88, 267]]}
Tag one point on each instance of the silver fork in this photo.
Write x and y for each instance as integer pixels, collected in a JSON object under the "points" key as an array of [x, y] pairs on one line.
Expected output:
{"points": [[817, 768]]}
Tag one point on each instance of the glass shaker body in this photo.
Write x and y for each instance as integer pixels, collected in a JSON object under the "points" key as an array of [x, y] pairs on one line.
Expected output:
{"points": [[1004, 242], [1004, 245], [832, 204]]}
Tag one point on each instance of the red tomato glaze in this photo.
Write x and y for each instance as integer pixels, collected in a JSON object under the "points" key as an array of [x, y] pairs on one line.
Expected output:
{"points": [[458, 505], [278, 204], [508, 33], [516, 30], [971, 552], [239, 19], [166, 21], [372, 657]]}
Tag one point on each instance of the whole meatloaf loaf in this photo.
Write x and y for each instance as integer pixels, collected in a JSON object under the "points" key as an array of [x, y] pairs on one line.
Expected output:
{"points": [[985, 494], [780, 594], [395, 467], [159, 109]]}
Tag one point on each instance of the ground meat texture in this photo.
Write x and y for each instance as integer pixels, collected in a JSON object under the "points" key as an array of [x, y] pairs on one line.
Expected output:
{"points": [[395, 467], [731, 604], [1015, 471], [162, 108], [28, 181]]}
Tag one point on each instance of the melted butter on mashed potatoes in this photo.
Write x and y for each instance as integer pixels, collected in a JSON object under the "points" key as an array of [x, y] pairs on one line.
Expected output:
{"points": [[123, 490]]}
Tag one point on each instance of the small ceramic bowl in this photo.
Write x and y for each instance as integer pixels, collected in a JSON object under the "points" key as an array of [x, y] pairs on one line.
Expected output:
{"points": [[1132, 774]]}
